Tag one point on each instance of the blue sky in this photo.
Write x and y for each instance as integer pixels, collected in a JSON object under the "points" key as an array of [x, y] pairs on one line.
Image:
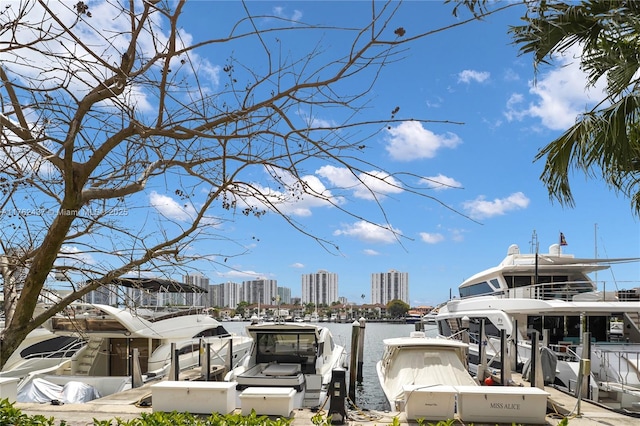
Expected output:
{"points": [[473, 75], [487, 122]]}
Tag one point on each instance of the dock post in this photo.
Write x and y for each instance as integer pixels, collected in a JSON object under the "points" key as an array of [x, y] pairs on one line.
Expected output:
{"points": [[136, 372], [514, 359], [483, 370], [537, 379], [206, 365], [355, 332], [584, 372], [230, 353], [174, 371], [505, 362], [362, 323], [534, 356], [585, 356]]}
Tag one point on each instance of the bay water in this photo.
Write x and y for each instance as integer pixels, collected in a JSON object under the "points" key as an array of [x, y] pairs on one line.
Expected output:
{"points": [[369, 394]]}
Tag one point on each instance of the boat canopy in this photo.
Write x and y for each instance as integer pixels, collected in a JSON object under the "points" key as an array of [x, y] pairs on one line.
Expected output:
{"points": [[156, 284]]}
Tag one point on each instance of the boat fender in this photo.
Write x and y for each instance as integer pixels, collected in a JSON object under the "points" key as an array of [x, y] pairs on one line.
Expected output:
{"points": [[489, 381]]}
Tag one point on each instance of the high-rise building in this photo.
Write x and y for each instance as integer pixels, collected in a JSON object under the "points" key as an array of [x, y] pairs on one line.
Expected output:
{"points": [[285, 295], [388, 286], [226, 295], [261, 291], [320, 288], [200, 298]]}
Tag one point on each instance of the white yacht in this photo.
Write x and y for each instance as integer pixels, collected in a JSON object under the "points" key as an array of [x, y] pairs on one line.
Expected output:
{"points": [[553, 295], [427, 379], [41, 349], [126, 346], [294, 355], [421, 361]]}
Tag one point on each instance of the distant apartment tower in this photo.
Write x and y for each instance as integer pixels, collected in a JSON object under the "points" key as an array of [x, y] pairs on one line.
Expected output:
{"points": [[320, 288], [262, 291], [225, 295], [388, 286], [197, 298], [285, 295]]}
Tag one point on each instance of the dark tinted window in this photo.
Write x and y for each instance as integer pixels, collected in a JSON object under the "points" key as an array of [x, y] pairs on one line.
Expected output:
{"points": [[56, 347]]}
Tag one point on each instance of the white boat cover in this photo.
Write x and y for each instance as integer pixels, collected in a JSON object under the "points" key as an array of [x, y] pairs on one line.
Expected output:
{"points": [[43, 391], [417, 366]]}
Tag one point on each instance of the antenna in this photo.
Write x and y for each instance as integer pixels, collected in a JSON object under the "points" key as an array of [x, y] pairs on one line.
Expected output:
{"points": [[595, 249], [534, 242]]}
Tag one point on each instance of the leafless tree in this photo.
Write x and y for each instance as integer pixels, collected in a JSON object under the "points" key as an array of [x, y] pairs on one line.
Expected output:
{"points": [[92, 116]]}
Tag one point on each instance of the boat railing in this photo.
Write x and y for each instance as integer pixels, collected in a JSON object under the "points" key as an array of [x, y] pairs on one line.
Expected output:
{"points": [[565, 352], [620, 365], [217, 355], [551, 291], [459, 335]]}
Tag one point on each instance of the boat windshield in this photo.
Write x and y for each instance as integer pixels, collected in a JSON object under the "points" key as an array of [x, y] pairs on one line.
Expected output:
{"points": [[286, 347]]}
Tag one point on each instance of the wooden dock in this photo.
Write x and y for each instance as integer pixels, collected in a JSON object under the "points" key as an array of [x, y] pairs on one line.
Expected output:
{"points": [[131, 404]]}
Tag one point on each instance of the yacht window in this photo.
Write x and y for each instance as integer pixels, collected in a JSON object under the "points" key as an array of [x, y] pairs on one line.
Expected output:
{"points": [[542, 279], [534, 323], [514, 281], [287, 344], [444, 329], [573, 326], [189, 348], [496, 285], [212, 332], [490, 330], [476, 289], [56, 347]]}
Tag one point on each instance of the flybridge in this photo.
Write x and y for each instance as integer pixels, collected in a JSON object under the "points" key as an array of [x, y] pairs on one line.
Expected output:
{"points": [[550, 276]]}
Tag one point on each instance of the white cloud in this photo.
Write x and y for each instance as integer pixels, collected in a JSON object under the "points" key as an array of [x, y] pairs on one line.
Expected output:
{"points": [[369, 232], [280, 12], [440, 182], [170, 208], [297, 265], [96, 32], [297, 15], [467, 76], [72, 255], [511, 75], [481, 208], [301, 204], [411, 141], [239, 274], [457, 235], [365, 186], [371, 252], [431, 238], [560, 95]]}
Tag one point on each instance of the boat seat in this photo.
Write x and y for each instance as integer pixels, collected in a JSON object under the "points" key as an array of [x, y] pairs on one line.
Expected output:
{"points": [[281, 370], [280, 359]]}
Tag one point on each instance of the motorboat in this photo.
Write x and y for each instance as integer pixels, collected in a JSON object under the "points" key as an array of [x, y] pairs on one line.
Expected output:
{"points": [[427, 378], [421, 361], [40, 350], [551, 299], [126, 348], [297, 356], [412, 318]]}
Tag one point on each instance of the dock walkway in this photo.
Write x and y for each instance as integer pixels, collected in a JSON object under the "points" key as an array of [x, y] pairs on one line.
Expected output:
{"points": [[131, 404]]}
